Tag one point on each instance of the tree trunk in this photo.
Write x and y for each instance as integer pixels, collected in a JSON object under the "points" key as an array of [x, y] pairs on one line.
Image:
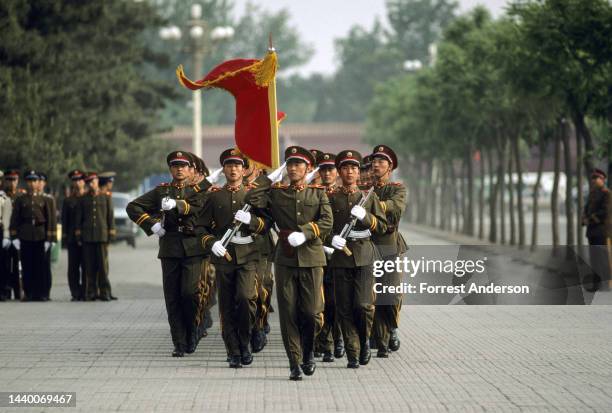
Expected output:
{"points": [[511, 188], [470, 192], [554, 196], [454, 202], [582, 130], [442, 215], [463, 196], [481, 197], [569, 207], [519, 193], [493, 191], [536, 192], [502, 189], [579, 181]]}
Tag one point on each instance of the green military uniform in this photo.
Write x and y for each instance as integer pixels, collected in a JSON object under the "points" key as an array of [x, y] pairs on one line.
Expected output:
{"points": [[597, 218], [392, 197], [298, 270], [94, 228], [33, 224], [76, 266], [180, 251], [353, 274], [236, 279]]}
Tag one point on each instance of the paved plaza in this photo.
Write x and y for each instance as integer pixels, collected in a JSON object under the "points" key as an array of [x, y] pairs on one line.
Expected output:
{"points": [[116, 356]]}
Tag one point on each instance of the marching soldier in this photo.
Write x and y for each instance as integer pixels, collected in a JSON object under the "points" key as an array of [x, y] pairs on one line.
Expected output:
{"points": [[392, 197], [42, 182], [353, 274], [303, 216], [95, 227], [32, 230], [329, 341], [179, 247], [6, 207], [365, 171], [12, 282], [236, 278], [76, 267], [317, 154], [596, 217]]}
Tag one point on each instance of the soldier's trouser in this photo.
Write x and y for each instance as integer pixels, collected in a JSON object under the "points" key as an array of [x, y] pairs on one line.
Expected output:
{"points": [[5, 290], [388, 306], [106, 280], [299, 292], [33, 264], [598, 257], [48, 281], [330, 332], [181, 277], [237, 304], [265, 285], [96, 278], [355, 297], [76, 270], [13, 275]]}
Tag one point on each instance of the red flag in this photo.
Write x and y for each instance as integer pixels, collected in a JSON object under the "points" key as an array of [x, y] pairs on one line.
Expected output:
{"points": [[252, 83]]}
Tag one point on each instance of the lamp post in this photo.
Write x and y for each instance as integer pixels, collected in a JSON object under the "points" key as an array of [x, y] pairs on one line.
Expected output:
{"points": [[202, 42]]}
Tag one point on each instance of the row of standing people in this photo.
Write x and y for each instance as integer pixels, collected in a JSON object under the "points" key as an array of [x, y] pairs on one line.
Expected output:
{"points": [[28, 219], [318, 283]]}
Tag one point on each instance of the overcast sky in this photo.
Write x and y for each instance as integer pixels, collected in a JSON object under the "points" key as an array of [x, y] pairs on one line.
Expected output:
{"points": [[319, 22]]}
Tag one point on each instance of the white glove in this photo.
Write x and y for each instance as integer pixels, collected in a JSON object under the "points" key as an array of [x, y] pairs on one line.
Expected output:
{"points": [[168, 203], [218, 249], [328, 251], [338, 242], [6, 243], [311, 175], [17, 244], [358, 212], [158, 230], [277, 174], [47, 246], [296, 239], [214, 177], [243, 216]]}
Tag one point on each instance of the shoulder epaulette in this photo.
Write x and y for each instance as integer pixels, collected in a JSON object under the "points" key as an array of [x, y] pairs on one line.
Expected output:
{"points": [[214, 188], [395, 183], [316, 186], [164, 184], [196, 187], [279, 185], [250, 185]]}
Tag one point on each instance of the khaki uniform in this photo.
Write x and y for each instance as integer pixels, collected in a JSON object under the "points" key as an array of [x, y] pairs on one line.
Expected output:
{"points": [[76, 265], [48, 283], [353, 278], [95, 227], [33, 223], [180, 252], [392, 200], [236, 279], [298, 270]]}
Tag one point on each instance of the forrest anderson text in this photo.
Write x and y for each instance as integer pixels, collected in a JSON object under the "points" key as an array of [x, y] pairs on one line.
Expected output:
{"points": [[425, 288]]}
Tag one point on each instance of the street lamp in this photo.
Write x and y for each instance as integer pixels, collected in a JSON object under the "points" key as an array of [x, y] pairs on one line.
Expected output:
{"points": [[202, 41]]}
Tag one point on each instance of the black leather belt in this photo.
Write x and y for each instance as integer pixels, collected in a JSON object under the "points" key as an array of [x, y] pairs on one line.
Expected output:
{"points": [[183, 229]]}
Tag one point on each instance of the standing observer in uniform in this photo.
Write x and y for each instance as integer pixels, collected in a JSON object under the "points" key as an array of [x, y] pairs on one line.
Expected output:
{"points": [[596, 216], [95, 228], [303, 216], [352, 269], [180, 250], [392, 197], [12, 280], [76, 267], [50, 200], [32, 231], [6, 208], [236, 277]]}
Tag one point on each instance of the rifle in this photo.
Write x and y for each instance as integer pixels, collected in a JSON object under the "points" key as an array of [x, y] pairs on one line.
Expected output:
{"points": [[236, 224], [348, 227]]}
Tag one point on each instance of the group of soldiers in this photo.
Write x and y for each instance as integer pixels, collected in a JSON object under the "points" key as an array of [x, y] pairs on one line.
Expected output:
{"points": [[28, 220], [321, 226]]}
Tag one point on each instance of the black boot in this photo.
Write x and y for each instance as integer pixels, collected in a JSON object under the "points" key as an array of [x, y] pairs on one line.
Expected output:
{"points": [[309, 365], [235, 362], [295, 374], [364, 353], [328, 357], [382, 353], [394, 341], [339, 349], [179, 351], [245, 355], [192, 341], [352, 364], [258, 340]]}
